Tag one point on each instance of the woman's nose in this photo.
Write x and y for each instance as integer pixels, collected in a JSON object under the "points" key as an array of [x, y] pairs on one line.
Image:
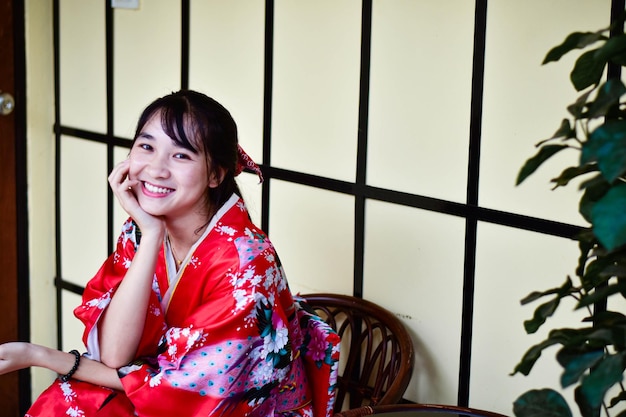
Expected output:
{"points": [[158, 167]]}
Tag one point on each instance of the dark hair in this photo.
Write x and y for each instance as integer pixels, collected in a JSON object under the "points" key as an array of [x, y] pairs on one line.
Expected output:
{"points": [[198, 123]]}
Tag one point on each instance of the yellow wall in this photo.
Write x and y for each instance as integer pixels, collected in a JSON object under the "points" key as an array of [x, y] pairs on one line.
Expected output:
{"points": [[40, 160], [418, 143]]}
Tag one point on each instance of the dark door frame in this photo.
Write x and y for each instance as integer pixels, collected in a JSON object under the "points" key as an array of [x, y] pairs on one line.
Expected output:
{"points": [[15, 306]]}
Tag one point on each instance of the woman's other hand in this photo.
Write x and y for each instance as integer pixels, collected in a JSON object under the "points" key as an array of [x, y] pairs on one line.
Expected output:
{"points": [[15, 356]]}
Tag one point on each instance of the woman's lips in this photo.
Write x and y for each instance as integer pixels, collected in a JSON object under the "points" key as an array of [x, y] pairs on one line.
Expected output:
{"points": [[156, 190]]}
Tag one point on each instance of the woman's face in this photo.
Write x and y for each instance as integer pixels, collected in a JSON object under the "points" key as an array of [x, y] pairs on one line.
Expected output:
{"points": [[173, 180]]}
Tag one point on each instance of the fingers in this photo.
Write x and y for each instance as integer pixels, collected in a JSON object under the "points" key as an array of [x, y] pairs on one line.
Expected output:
{"points": [[118, 178], [122, 186]]}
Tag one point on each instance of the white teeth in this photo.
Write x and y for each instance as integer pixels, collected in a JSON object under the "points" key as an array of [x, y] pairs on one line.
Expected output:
{"points": [[155, 189]]}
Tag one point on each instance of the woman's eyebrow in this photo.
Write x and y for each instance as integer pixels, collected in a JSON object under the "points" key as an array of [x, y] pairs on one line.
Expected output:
{"points": [[145, 135]]}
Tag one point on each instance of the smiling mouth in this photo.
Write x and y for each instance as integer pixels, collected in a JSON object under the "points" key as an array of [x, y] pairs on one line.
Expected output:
{"points": [[157, 190]]}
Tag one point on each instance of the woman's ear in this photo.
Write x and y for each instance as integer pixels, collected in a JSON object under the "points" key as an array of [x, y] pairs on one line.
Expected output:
{"points": [[217, 177]]}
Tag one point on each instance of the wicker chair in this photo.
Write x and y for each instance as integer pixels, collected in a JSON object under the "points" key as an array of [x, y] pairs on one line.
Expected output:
{"points": [[415, 410], [376, 359]]}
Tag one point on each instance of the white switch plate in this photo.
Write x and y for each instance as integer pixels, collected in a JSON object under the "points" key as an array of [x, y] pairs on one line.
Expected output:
{"points": [[125, 4]]}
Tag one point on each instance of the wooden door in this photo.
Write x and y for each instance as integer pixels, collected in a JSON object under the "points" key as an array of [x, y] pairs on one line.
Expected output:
{"points": [[9, 128]]}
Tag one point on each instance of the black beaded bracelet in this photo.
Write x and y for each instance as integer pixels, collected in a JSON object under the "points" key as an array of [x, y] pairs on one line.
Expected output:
{"points": [[68, 375]]}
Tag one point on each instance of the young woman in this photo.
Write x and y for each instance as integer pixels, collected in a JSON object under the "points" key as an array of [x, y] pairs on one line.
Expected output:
{"points": [[192, 314]]}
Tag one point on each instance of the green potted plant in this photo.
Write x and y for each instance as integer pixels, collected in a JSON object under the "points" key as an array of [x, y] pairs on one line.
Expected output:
{"points": [[592, 355]]}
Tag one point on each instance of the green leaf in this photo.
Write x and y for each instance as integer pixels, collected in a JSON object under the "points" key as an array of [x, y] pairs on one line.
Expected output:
{"points": [[586, 410], [619, 59], [562, 336], [619, 397], [608, 97], [601, 294], [531, 165], [542, 312], [531, 356], [595, 189], [576, 40], [609, 218], [616, 270], [591, 337], [575, 363], [613, 47], [535, 295], [608, 373], [541, 403], [595, 273], [609, 319], [607, 147], [578, 108], [564, 131], [572, 172], [587, 70]]}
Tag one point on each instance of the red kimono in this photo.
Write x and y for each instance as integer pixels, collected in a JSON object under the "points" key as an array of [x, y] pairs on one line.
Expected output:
{"points": [[223, 335]]}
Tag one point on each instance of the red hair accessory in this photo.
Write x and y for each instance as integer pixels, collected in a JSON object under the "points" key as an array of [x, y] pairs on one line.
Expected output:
{"points": [[244, 161]]}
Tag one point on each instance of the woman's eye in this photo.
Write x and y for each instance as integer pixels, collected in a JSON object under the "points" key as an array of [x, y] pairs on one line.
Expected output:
{"points": [[145, 146], [181, 156]]}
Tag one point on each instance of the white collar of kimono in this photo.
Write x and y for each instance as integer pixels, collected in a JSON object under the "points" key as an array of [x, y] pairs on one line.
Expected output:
{"points": [[172, 274]]}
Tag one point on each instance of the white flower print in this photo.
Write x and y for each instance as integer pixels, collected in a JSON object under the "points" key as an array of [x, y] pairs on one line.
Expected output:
{"points": [[68, 392], [256, 280], [270, 276], [281, 339], [334, 367], [281, 374], [275, 343], [173, 333], [172, 350], [249, 234], [155, 311], [226, 230], [191, 341], [248, 274], [74, 412], [195, 262], [264, 371], [155, 380], [101, 302], [241, 297]]}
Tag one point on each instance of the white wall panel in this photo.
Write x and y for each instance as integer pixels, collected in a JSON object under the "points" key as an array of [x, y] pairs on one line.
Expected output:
{"points": [[82, 64], [313, 233], [316, 86], [414, 268], [226, 62], [525, 102], [83, 209], [72, 327], [420, 95], [510, 264], [147, 59]]}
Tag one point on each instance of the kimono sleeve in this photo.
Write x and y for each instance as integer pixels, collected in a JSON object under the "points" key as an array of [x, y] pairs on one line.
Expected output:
{"points": [[101, 288]]}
